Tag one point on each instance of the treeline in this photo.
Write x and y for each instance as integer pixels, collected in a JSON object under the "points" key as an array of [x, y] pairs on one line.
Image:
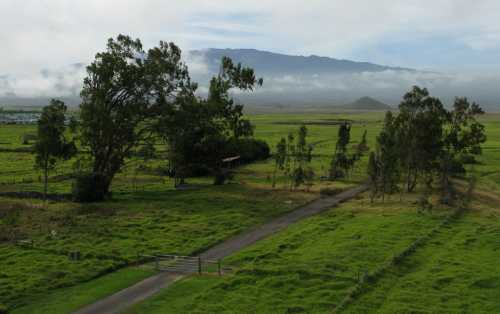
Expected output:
{"points": [[294, 155], [425, 143], [132, 98]]}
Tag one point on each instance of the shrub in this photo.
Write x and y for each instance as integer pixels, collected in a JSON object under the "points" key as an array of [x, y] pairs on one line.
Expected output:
{"points": [[467, 159], [249, 149], [89, 187], [330, 191]]}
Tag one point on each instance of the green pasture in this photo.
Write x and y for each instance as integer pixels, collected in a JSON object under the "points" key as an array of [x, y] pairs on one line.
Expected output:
{"points": [[310, 267]]}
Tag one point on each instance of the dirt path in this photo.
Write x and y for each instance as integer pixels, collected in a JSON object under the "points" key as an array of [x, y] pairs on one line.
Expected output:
{"points": [[126, 298]]}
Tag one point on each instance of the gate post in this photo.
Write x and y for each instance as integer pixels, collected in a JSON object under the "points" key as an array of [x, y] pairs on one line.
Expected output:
{"points": [[199, 265]]}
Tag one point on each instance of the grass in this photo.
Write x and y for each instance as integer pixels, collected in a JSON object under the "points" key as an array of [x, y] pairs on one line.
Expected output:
{"points": [[457, 272], [309, 267], [314, 265], [111, 235], [73, 298]]}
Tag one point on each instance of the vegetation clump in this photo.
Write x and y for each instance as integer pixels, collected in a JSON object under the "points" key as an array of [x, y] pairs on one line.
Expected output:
{"points": [[424, 142], [343, 162], [293, 157], [51, 143]]}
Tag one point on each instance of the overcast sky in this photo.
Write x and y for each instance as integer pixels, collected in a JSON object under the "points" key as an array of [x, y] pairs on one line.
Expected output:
{"points": [[451, 35]]}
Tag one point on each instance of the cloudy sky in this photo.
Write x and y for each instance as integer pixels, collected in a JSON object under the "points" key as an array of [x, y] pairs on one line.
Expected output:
{"points": [[41, 39]]}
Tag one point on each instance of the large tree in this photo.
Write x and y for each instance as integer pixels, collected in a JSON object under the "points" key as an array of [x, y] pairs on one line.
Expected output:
{"points": [[199, 130], [420, 127], [124, 91], [52, 144], [462, 141]]}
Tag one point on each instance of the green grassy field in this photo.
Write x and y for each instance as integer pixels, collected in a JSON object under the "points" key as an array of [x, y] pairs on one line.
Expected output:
{"points": [[314, 265], [310, 267]]}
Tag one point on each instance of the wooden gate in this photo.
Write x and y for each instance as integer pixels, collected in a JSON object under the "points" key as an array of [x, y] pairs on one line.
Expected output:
{"points": [[185, 264]]}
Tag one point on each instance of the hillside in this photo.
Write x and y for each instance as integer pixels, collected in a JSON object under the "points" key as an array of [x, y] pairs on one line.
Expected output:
{"points": [[366, 103]]}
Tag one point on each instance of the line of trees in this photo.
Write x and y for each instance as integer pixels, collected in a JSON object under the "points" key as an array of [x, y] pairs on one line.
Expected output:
{"points": [[425, 143]]}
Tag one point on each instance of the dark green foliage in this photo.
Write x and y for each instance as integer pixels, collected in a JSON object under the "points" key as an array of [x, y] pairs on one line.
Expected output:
{"points": [[462, 141], [330, 191], [89, 187], [124, 91], [293, 157], [3, 309], [341, 162], [303, 173], [51, 144], [199, 131], [419, 124], [425, 140], [388, 157], [280, 158], [249, 149], [362, 148], [373, 172]]}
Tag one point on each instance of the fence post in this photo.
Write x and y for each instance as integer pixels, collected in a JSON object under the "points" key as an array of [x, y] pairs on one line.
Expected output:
{"points": [[199, 265], [219, 270], [157, 264]]}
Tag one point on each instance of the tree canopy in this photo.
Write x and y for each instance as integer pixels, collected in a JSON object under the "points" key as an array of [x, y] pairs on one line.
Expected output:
{"points": [[425, 140], [52, 144]]}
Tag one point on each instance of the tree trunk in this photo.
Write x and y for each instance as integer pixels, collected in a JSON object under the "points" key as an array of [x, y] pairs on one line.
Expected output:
{"points": [[45, 182]]}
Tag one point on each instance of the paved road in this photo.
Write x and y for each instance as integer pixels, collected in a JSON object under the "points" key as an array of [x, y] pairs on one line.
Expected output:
{"points": [[126, 298]]}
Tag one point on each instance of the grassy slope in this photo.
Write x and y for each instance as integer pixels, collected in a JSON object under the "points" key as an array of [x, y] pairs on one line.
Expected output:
{"points": [[70, 299], [457, 272], [310, 267], [313, 265], [111, 235]]}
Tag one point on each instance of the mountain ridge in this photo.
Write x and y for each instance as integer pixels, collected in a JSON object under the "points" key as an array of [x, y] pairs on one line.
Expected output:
{"points": [[266, 61]]}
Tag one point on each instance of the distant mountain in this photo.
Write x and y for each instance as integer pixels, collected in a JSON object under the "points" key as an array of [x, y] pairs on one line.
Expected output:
{"points": [[366, 103], [301, 81], [266, 63]]}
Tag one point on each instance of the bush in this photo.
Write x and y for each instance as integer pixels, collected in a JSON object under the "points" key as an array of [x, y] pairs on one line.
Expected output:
{"points": [[330, 191], [468, 159], [249, 149], [89, 187]]}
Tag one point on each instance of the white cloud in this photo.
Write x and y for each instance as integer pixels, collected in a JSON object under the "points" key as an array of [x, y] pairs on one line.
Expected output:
{"points": [[37, 34], [61, 82]]}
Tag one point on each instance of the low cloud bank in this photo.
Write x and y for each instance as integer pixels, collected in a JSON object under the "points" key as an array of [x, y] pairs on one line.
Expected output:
{"points": [[292, 88], [61, 82]]}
